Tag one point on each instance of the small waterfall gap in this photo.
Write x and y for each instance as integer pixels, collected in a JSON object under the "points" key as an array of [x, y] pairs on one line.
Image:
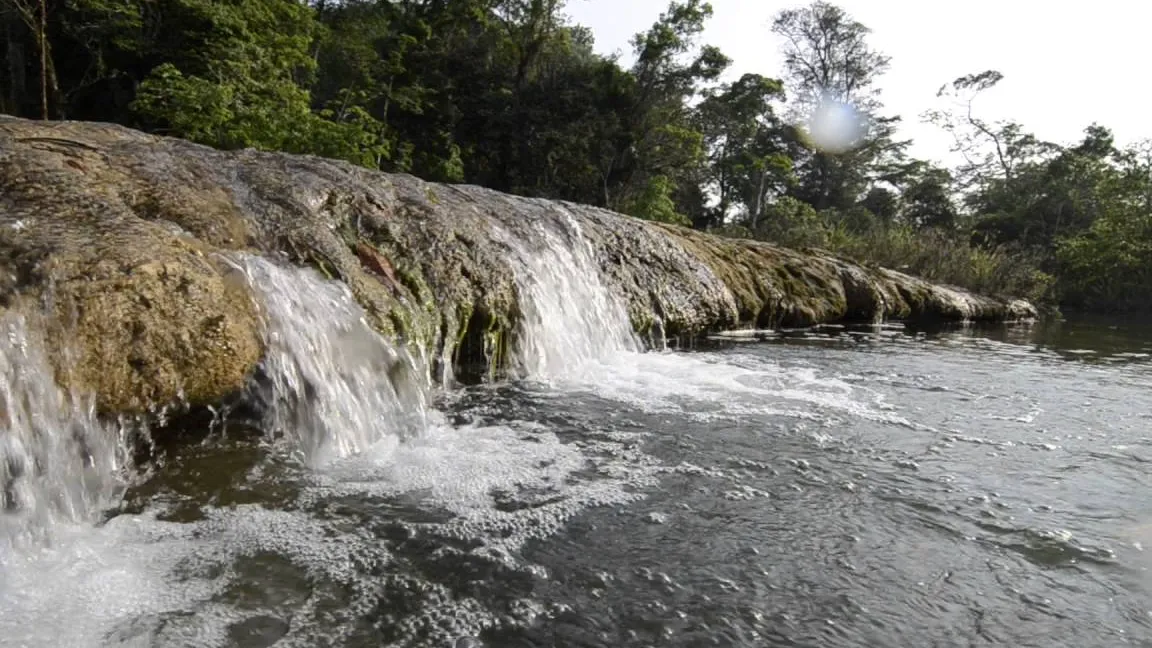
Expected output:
{"points": [[570, 318], [59, 464], [334, 386]]}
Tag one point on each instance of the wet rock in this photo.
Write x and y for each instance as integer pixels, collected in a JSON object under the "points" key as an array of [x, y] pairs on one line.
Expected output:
{"points": [[123, 240], [139, 314]]}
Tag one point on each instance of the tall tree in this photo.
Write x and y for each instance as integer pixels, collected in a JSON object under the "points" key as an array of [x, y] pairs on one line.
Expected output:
{"points": [[827, 56], [664, 148], [1107, 265], [828, 62], [33, 16], [748, 147], [991, 150]]}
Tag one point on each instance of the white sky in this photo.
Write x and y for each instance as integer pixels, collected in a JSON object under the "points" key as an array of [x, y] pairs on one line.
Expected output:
{"points": [[1065, 64]]}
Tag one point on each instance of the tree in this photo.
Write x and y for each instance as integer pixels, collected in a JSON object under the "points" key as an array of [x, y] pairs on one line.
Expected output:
{"points": [[238, 83], [827, 57], [1108, 265], [927, 201], [33, 14], [663, 148], [882, 203], [1047, 198], [748, 147], [990, 150], [828, 62]]}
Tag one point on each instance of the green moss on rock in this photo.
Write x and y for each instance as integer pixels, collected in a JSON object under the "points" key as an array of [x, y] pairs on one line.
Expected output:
{"points": [[124, 234]]}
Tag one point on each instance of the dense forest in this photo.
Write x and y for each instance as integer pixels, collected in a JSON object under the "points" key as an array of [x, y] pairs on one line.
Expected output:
{"points": [[511, 95]]}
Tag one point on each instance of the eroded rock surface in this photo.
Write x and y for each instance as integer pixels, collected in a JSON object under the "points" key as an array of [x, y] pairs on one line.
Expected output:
{"points": [[124, 239]]}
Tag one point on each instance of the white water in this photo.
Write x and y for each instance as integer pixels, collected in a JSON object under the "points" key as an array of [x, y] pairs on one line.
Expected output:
{"points": [[58, 463], [576, 333], [571, 320], [336, 386], [356, 409]]}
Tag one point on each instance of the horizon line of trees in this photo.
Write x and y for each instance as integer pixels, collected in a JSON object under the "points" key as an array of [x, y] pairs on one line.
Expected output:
{"points": [[511, 95]]}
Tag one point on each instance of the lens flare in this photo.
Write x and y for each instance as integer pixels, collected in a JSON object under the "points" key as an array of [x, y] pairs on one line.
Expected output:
{"points": [[835, 126]]}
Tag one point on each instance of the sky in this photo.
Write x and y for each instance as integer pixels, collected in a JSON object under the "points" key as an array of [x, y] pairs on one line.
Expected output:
{"points": [[1065, 65]]}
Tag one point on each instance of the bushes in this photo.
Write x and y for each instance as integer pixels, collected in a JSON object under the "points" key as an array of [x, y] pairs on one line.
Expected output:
{"points": [[940, 256], [1109, 267]]}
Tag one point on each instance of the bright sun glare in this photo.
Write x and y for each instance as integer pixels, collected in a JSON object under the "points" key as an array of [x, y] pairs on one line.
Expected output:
{"points": [[835, 126]]}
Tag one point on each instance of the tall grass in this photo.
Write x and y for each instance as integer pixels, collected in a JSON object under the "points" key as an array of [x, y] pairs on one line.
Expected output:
{"points": [[938, 256]]}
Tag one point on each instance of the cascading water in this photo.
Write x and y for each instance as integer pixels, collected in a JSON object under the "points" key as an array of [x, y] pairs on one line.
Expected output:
{"points": [[417, 526], [570, 318], [58, 462], [335, 386]]}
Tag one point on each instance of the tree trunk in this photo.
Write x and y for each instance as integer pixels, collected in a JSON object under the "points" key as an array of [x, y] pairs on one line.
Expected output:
{"points": [[759, 199], [36, 20], [17, 91], [43, 38]]}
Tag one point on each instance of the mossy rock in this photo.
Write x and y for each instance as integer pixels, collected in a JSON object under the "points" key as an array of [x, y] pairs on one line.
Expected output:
{"points": [[126, 238]]}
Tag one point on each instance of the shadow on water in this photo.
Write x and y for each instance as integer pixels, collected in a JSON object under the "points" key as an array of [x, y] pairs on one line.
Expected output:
{"points": [[1083, 338]]}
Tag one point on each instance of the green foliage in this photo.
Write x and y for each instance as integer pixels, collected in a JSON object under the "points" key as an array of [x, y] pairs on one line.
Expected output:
{"points": [[794, 222], [655, 202], [941, 256], [935, 254], [827, 58], [747, 146], [1109, 267]]}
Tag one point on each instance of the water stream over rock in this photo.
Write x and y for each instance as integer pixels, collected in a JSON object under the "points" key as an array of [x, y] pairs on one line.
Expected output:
{"points": [[59, 464], [830, 486], [333, 385], [570, 319]]}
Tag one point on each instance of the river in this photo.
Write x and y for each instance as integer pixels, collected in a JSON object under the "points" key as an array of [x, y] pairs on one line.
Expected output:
{"points": [[876, 486]]}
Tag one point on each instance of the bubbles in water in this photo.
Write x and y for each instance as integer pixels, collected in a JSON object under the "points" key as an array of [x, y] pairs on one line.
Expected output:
{"points": [[836, 126], [387, 466], [95, 586], [502, 485]]}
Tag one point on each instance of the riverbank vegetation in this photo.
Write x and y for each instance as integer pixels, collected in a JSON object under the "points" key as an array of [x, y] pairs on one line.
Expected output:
{"points": [[510, 94]]}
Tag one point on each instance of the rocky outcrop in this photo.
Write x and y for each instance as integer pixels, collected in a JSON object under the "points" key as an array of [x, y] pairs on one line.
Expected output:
{"points": [[124, 239]]}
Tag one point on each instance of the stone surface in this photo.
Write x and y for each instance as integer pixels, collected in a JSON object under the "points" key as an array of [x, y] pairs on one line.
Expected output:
{"points": [[123, 239]]}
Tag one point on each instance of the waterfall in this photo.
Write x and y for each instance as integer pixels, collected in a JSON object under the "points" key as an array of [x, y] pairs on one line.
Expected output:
{"points": [[334, 385], [329, 383], [570, 318], [58, 462]]}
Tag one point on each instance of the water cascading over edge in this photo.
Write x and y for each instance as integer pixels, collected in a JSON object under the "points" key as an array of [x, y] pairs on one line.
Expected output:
{"points": [[58, 462], [569, 317], [334, 385], [331, 384]]}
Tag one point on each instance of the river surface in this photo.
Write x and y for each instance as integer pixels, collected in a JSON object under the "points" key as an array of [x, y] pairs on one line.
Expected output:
{"points": [[883, 486], [835, 487]]}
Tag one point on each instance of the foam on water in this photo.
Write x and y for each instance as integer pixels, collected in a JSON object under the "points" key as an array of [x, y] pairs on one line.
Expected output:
{"points": [[140, 581], [95, 586], [576, 334], [346, 399], [709, 385], [64, 579], [335, 386], [503, 484], [357, 409]]}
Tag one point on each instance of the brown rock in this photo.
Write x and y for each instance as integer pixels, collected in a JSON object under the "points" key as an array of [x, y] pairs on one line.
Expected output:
{"points": [[125, 237]]}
